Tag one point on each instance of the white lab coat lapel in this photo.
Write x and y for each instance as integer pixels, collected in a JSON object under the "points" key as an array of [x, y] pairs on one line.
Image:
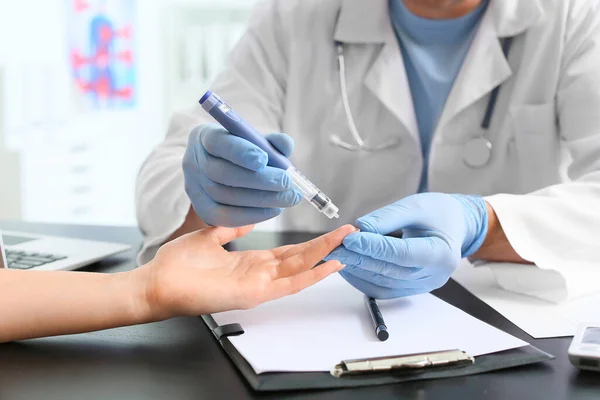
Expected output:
{"points": [[387, 77], [485, 66]]}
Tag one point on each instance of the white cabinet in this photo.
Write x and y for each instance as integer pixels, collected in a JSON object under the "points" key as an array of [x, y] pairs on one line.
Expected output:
{"points": [[81, 182], [10, 172], [198, 38], [80, 166]]}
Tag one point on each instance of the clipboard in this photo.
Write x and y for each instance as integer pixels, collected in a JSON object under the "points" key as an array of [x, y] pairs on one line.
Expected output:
{"points": [[377, 371]]}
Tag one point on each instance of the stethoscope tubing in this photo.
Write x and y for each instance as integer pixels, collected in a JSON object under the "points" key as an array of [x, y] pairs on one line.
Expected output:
{"points": [[485, 144]]}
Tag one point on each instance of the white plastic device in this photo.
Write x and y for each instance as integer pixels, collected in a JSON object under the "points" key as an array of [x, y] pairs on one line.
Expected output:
{"points": [[584, 351]]}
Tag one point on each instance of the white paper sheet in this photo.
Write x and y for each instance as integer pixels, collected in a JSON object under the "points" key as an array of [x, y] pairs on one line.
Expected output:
{"points": [[539, 318], [329, 322]]}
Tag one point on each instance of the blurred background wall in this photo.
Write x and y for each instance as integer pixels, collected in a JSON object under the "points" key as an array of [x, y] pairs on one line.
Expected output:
{"points": [[86, 90]]}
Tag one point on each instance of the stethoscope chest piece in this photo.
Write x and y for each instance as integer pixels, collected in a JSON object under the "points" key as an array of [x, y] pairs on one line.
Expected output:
{"points": [[477, 152]]}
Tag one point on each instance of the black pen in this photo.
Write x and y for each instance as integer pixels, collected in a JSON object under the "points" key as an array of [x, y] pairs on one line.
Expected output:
{"points": [[380, 329]]}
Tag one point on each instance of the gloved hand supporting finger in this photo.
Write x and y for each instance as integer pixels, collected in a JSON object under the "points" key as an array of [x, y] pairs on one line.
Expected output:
{"points": [[427, 282], [380, 268], [405, 213], [376, 291], [428, 251]]}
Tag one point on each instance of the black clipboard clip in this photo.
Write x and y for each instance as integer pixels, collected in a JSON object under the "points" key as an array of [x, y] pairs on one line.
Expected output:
{"points": [[407, 363]]}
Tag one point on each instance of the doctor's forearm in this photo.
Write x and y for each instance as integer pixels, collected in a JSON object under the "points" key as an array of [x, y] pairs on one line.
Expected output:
{"points": [[496, 246]]}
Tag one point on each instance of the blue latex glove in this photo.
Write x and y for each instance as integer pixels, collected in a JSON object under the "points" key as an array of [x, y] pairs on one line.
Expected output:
{"points": [[437, 231], [228, 181]]}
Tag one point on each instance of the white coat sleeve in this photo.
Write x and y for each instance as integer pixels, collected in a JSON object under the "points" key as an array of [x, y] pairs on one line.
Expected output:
{"points": [[253, 82], [558, 227]]}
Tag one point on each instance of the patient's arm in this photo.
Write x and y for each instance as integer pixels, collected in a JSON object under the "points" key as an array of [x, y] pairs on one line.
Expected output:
{"points": [[191, 275], [45, 303]]}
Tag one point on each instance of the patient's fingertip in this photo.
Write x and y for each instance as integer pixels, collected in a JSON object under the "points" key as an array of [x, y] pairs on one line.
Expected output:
{"points": [[347, 229], [330, 265], [336, 265]]}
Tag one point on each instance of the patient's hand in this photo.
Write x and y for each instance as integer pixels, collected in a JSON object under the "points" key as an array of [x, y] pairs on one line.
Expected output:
{"points": [[195, 275]]}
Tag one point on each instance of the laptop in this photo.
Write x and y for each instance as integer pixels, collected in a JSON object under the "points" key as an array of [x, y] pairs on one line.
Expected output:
{"points": [[26, 251]]}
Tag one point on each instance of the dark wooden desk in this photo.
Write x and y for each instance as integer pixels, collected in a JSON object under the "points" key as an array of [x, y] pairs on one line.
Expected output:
{"points": [[180, 359]]}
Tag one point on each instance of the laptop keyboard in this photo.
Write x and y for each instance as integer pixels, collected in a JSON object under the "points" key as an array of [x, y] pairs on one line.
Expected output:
{"points": [[17, 259]]}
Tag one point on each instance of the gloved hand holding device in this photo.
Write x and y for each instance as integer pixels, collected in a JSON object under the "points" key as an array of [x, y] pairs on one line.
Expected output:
{"points": [[229, 182], [241, 180], [437, 231]]}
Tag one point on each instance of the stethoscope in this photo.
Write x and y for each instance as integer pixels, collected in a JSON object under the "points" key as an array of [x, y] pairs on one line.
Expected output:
{"points": [[477, 152]]}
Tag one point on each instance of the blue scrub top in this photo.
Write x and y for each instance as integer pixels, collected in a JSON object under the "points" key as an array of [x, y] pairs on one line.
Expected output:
{"points": [[433, 52]]}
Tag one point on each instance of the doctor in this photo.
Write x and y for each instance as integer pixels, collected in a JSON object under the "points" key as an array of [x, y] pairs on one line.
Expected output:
{"points": [[392, 103]]}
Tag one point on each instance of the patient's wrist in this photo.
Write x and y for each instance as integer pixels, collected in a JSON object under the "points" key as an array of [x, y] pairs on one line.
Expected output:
{"points": [[142, 307]]}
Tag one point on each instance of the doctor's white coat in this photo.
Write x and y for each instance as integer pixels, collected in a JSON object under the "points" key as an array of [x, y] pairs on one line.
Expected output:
{"points": [[544, 176]]}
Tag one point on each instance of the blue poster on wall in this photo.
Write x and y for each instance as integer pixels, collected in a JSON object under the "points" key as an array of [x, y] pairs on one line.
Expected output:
{"points": [[103, 62]]}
